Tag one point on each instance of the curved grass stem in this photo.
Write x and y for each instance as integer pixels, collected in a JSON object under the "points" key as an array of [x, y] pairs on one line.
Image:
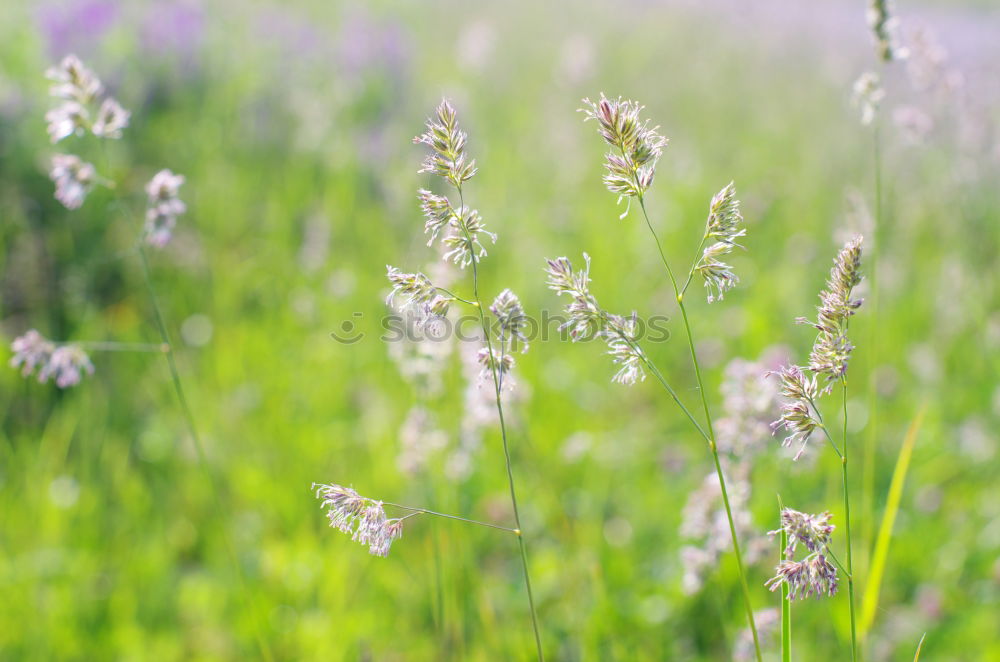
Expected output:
{"points": [[425, 511], [175, 378], [503, 434], [711, 435], [847, 529]]}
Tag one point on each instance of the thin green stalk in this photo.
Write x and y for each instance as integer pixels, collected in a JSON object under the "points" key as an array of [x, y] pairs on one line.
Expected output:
{"points": [[847, 528], [175, 377], [503, 435], [786, 609], [659, 376], [455, 296], [425, 511], [822, 425], [836, 560], [711, 435]]}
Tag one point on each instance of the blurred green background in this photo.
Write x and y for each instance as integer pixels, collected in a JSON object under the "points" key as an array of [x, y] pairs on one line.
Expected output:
{"points": [[292, 123]]}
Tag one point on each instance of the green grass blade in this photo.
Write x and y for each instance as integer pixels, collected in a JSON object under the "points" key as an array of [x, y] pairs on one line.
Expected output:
{"points": [[873, 586], [786, 610], [916, 658]]}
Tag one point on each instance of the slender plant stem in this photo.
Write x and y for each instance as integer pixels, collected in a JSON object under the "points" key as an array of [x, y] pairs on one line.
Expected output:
{"points": [[694, 265], [847, 528], [175, 377], [711, 435], [425, 511], [503, 432], [166, 347], [836, 560], [666, 385], [822, 425], [786, 608], [455, 296]]}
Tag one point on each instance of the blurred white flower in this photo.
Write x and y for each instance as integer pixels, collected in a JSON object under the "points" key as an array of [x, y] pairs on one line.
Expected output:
{"points": [[65, 363], [65, 120], [163, 207], [73, 81], [73, 179], [868, 95], [111, 119]]}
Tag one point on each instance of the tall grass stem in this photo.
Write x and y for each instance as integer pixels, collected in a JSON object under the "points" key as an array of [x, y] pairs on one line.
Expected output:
{"points": [[503, 435], [175, 377], [711, 435]]}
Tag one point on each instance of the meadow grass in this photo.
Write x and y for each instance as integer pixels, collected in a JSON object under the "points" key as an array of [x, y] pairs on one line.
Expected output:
{"points": [[110, 545]]}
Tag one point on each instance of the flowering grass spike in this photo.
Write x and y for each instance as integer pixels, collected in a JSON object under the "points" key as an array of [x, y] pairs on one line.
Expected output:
{"points": [[362, 518], [447, 142], [510, 315], [588, 320], [814, 575], [631, 168], [65, 364], [832, 349], [73, 178], [80, 90], [163, 207]]}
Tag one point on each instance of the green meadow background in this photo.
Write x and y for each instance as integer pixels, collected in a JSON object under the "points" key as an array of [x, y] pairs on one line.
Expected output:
{"points": [[292, 124]]}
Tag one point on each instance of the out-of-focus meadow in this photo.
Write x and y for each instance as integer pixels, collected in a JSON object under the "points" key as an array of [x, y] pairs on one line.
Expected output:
{"points": [[292, 123]]}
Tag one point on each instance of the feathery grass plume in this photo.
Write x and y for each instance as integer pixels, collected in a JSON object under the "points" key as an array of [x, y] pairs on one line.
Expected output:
{"points": [[67, 119], [493, 360], [868, 96], [884, 27], [418, 292], [814, 575], [631, 169], [438, 212], [585, 315], [80, 89], [622, 338], [463, 228], [363, 518], [588, 320], [717, 275], [163, 207], [800, 392], [66, 363], [74, 81], [448, 160], [511, 318], [724, 218], [630, 173], [447, 142], [813, 531], [73, 178], [832, 349], [828, 362], [111, 119], [463, 242]]}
